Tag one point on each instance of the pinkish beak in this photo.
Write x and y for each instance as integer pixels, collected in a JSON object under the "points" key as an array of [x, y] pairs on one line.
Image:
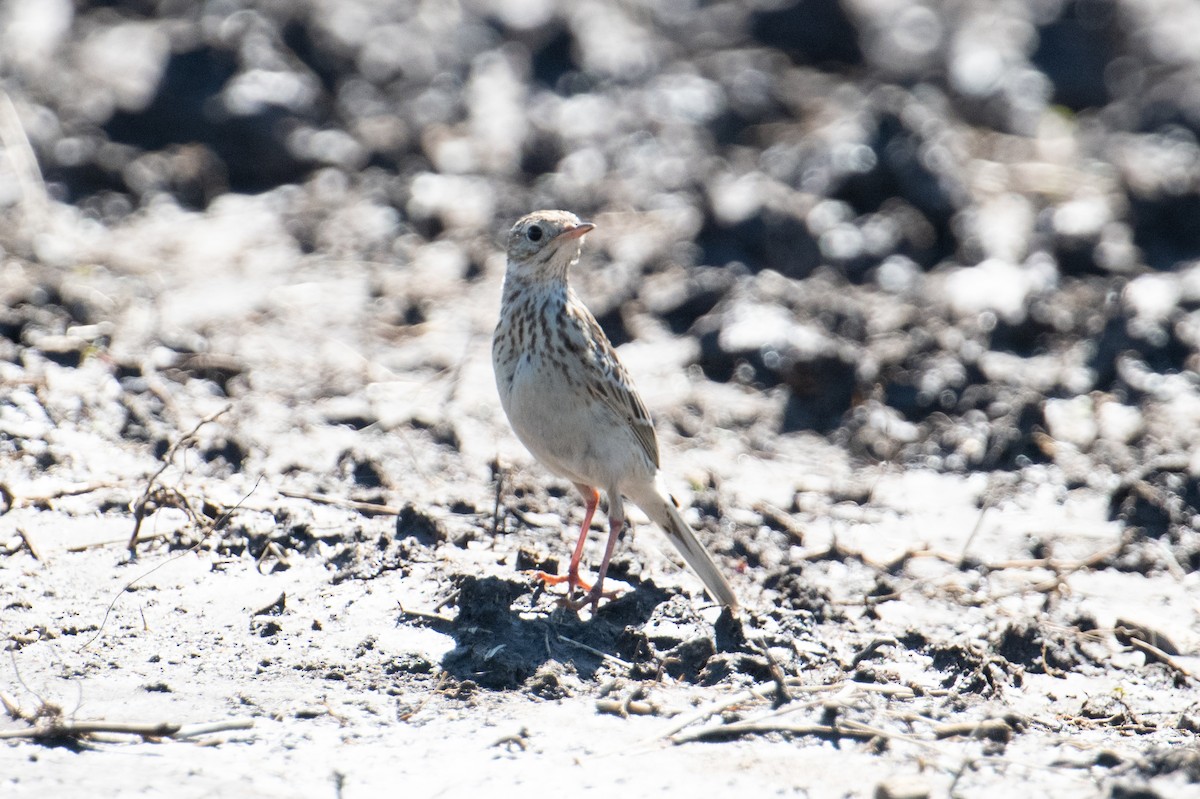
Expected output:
{"points": [[582, 229]]}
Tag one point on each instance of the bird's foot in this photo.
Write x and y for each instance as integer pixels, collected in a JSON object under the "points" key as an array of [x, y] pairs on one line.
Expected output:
{"points": [[592, 597], [572, 599], [571, 580]]}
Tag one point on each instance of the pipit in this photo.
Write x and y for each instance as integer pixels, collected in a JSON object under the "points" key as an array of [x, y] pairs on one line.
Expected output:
{"points": [[572, 404]]}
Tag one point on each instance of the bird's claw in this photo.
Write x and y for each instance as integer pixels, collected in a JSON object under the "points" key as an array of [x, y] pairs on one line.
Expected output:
{"points": [[591, 595]]}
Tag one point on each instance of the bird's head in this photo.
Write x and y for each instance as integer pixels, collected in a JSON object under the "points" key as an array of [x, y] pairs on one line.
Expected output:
{"points": [[545, 243]]}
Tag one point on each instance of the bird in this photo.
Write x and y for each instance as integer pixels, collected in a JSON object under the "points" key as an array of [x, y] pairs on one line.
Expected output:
{"points": [[572, 404]]}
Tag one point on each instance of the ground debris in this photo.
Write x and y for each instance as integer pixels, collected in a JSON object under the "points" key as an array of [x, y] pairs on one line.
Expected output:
{"points": [[49, 725]]}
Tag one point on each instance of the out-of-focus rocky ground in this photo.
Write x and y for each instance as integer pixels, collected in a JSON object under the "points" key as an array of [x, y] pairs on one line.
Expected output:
{"points": [[912, 290]]}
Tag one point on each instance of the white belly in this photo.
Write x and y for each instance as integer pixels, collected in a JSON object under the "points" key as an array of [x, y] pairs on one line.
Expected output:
{"points": [[571, 434]]}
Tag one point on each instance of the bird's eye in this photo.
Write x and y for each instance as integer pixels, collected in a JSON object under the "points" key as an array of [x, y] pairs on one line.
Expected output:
{"points": [[534, 233]]}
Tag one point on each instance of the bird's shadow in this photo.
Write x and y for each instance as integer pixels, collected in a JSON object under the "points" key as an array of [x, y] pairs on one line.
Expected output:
{"points": [[499, 648]]}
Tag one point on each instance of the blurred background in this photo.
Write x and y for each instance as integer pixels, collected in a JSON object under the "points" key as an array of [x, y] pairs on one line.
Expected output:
{"points": [[956, 130], [957, 234]]}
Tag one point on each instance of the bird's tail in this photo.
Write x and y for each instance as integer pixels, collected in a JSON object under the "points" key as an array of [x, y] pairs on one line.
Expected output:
{"points": [[662, 512]]}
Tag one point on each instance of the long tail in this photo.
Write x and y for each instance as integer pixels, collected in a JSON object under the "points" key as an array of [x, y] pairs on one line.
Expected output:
{"points": [[662, 511]]}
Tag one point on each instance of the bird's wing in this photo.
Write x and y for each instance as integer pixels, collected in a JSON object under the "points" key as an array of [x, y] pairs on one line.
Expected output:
{"points": [[608, 382]]}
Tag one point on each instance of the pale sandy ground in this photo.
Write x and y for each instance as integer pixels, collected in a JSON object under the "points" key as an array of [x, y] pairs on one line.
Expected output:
{"points": [[336, 706], [182, 648]]}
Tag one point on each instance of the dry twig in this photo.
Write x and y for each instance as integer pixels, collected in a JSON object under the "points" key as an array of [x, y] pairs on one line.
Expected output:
{"points": [[139, 510], [32, 547], [48, 723], [767, 690], [57, 728], [370, 508], [762, 728], [603, 655], [1154, 653]]}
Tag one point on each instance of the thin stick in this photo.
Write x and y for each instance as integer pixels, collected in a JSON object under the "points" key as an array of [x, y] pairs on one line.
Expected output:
{"points": [[32, 547], [758, 692], [423, 614], [112, 541], [962, 556], [139, 511], [11, 706], [782, 697], [764, 690], [68, 491], [780, 518], [60, 729], [196, 730], [449, 600], [215, 525], [164, 729], [342, 502], [610, 658], [988, 728], [1152, 652], [626, 707], [758, 728]]}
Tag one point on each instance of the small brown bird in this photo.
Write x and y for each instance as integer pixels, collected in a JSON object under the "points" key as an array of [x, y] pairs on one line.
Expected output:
{"points": [[571, 402]]}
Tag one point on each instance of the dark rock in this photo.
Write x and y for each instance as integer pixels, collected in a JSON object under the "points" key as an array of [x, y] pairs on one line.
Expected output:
{"points": [[768, 239], [1164, 227], [412, 522], [810, 32], [251, 145], [1075, 49]]}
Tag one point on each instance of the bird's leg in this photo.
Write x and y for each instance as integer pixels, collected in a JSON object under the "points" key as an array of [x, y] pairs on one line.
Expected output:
{"points": [[616, 522], [591, 498]]}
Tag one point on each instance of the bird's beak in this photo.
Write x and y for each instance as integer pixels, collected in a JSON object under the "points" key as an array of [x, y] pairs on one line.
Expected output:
{"points": [[582, 229]]}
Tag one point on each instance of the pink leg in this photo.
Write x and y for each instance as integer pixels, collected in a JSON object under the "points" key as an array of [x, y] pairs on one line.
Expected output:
{"points": [[616, 522], [591, 498]]}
